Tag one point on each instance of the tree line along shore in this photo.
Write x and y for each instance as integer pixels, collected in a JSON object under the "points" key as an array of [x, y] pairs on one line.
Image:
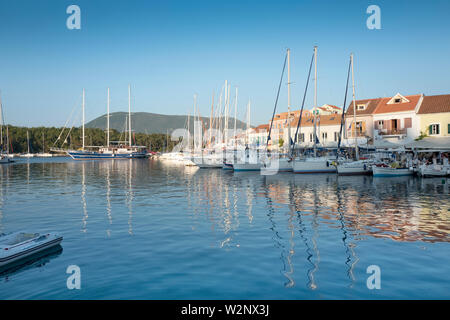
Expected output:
{"points": [[42, 139]]}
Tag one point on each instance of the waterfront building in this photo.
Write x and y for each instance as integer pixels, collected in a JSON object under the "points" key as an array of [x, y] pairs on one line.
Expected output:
{"points": [[326, 109], [327, 129], [396, 120], [258, 136], [434, 116]]}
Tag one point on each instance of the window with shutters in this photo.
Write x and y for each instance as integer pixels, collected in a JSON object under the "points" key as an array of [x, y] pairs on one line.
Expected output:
{"points": [[336, 135], [310, 137], [408, 122], [434, 129]]}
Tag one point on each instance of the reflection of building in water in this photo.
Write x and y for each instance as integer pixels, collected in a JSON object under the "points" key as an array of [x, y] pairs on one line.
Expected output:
{"points": [[392, 211]]}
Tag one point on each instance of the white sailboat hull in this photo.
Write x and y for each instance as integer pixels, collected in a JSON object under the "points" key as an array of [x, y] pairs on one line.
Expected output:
{"points": [[277, 165], [207, 162], [313, 165], [247, 166]]}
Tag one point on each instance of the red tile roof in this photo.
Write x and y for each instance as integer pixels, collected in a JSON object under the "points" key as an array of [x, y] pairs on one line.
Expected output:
{"points": [[323, 120], [384, 107], [435, 104], [262, 127], [370, 104]]}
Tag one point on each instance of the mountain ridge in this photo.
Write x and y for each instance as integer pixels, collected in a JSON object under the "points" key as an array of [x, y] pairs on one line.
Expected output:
{"points": [[147, 122]]}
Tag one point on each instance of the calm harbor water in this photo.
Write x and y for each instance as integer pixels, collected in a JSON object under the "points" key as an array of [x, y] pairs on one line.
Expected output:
{"points": [[143, 229]]}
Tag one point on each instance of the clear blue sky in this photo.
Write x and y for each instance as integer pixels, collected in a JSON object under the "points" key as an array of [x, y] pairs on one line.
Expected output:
{"points": [[169, 50]]}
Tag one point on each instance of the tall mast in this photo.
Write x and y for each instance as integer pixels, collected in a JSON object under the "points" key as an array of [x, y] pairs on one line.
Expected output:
{"points": [[225, 129], [235, 117], [1, 123], [354, 111], [7, 140], [194, 142], [248, 123], [315, 99], [107, 122], [129, 115], [189, 131], [289, 98], [210, 119], [28, 142], [82, 120]]}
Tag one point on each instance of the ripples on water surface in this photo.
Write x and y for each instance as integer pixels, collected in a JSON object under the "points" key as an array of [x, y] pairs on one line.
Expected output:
{"points": [[142, 229]]}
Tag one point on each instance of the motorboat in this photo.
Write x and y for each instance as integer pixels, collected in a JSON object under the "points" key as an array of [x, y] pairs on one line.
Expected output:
{"points": [[384, 170], [433, 170], [19, 245]]}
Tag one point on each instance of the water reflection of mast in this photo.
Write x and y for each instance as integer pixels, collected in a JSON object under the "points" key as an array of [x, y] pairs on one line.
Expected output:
{"points": [[228, 218], [1, 196], [83, 196], [250, 194], [313, 239], [130, 198], [278, 239], [348, 247], [108, 196], [302, 232]]}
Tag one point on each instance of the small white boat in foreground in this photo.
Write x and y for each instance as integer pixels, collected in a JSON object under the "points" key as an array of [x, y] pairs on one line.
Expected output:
{"points": [[19, 245]]}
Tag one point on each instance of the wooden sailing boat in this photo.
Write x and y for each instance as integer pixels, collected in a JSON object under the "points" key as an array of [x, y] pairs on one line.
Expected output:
{"points": [[118, 150]]}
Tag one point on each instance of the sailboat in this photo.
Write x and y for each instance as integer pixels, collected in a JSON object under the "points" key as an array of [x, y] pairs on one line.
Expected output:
{"points": [[276, 164], [357, 166], [314, 164], [28, 154], [250, 160], [4, 156], [44, 154], [112, 150]]}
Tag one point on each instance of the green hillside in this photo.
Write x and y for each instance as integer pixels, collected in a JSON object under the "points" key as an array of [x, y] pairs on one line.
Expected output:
{"points": [[145, 122]]}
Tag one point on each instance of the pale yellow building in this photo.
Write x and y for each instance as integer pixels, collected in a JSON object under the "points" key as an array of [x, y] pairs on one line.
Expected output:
{"points": [[434, 116]]}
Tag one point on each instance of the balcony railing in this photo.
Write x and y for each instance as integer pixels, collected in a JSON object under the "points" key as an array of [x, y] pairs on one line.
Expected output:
{"points": [[392, 132], [356, 134]]}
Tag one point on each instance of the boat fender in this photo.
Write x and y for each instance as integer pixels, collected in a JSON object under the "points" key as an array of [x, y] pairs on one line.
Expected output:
{"points": [[365, 167]]}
